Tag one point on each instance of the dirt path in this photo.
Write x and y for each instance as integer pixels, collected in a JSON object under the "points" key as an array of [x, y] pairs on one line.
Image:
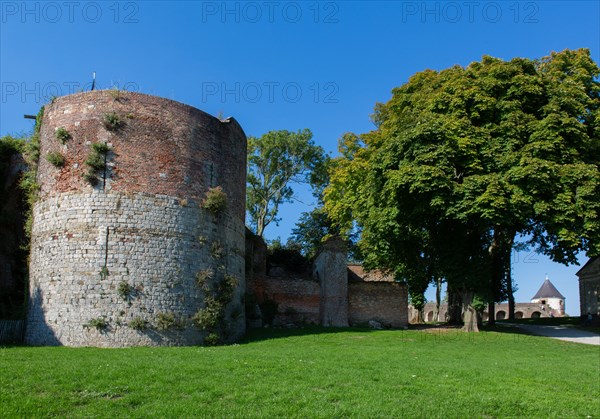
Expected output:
{"points": [[569, 334]]}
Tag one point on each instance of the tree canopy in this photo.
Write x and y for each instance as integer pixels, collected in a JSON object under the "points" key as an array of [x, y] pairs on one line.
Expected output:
{"points": [[463, 160]]}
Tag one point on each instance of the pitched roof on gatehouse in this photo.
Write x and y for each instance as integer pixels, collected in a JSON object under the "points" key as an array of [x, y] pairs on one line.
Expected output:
{"points": [[548, 290]]}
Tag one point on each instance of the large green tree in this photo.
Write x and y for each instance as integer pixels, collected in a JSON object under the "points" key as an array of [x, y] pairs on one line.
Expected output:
{"points": [[275, 161], [466, 159]]}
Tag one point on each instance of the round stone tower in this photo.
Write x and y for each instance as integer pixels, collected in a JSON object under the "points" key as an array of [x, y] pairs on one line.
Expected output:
{"points": [[138, 233]]}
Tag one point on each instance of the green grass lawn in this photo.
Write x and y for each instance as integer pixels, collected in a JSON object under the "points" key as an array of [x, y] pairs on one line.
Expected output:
{"points": [[311, 373]]}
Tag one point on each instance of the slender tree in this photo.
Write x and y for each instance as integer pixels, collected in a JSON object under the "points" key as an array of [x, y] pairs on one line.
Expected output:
{"points": [[275, 161]]}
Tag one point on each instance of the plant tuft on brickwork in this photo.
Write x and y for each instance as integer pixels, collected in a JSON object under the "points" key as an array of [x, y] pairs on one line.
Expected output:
{"points": [[103, 272], [216, 250], [124, 290], [62, 135], [203, 278], [112, 121], [215, 201], [96, 161], [115, 94], [56, 159]]}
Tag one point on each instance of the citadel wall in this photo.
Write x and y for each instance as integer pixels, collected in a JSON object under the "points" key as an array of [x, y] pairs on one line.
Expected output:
{"points": [[335, 294], [126, 253]]}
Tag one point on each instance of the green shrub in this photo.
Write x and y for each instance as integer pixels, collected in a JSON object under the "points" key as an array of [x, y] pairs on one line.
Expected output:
{"points": [[96, 161], [215, 201], [56, 159], [100, 148], [99, 323], [137, 323], [212, 339], [289, 257], [103, 272], [112, 121], [62, 135]]}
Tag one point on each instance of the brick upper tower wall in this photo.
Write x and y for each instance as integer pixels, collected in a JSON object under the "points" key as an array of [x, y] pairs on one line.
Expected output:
{"points": [[117, 264], [164, 147]]}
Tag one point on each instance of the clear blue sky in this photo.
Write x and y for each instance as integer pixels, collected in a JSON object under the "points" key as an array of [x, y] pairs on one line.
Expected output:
{"points": [[278, 65]]}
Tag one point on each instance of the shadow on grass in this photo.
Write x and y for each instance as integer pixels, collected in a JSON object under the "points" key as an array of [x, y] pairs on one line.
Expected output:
{"points": [[574, 322], [268, 333]]}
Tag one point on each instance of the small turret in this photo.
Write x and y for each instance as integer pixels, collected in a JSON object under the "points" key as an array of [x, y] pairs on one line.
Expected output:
{"points": [[550, 298]]}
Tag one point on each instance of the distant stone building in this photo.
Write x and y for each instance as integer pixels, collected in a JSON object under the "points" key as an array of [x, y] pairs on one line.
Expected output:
{"points": [[550, 299], [547, 302], [589, 288]]}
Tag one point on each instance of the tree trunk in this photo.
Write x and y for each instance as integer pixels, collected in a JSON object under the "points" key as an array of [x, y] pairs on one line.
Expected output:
{"points": [[496, 253], [438, 299], [418, 315], [471, 323], [491, 313], [509, 290], [454, 314]]}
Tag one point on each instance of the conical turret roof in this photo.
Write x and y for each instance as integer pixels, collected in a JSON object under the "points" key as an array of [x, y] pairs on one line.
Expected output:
{"points": [[547, 290]]}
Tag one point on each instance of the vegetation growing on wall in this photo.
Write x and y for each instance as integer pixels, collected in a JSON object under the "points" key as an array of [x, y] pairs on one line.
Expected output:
{"points": [[215, 201], [217, 294], [98, 323], [124, 290], [56, 159], [96, 163], [216, 250], [166, 321], [137, 323], [28, 181], [16, 205], [112, 121], [12, 252], [62, 135]]}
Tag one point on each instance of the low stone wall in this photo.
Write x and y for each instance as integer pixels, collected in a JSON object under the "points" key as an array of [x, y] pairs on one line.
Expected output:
{"points": [[384, 302], [298, 299], [522, 311]]}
